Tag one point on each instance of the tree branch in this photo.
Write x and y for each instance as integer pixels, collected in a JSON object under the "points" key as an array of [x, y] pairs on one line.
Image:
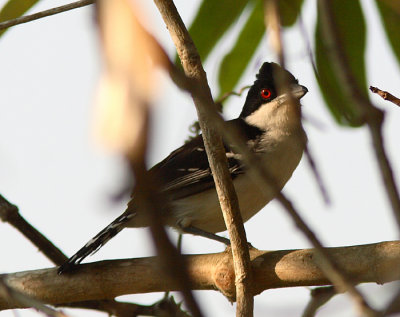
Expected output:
{"points": [[377, 263], [9, 213], [319, 297], [216, 155], [46, 13], [385, 95]]}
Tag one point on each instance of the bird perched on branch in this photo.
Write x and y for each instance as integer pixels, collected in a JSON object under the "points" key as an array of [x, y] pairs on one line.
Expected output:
{"points": [[270, 123]]}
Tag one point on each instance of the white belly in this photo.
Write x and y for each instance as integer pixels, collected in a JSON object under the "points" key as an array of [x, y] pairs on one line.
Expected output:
{"points": [[203, 210]]}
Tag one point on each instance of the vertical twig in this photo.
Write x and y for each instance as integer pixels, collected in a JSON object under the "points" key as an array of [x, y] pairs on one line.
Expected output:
{"points": [[216, 155], [306, 40], [169, 257], [145, 189]]}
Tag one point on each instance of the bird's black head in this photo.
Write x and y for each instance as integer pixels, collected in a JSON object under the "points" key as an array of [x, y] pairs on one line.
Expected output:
{"points": [[268, 85]]}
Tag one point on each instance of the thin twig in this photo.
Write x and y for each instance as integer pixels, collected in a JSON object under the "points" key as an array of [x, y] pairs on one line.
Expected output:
{"points": [[332, 270], [45, 13], [327, 264], [319, 297], [317, 175], [310, 159], [372, 115], [231, 93], [9, 213], [195, 127], [303, 32], [216, 155], [385, 95], [165, 307], [169, 258], [273, 20]]}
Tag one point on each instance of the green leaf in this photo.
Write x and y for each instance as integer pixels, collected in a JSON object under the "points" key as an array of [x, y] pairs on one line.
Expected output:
{"points": [[236, 61], [14, 9], [289, 10], [390, 13], [212, 20], [350, 25]]}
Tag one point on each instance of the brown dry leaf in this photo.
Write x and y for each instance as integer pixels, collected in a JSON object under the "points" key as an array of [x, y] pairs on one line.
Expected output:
{"points": [[128, 81]]}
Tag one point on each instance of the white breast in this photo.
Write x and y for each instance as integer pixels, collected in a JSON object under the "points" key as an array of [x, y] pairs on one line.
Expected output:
{"points": [[203, 210]]}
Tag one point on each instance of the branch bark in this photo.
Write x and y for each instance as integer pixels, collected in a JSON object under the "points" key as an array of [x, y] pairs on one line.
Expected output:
{"points": [[379, 263], [11, 294], [216, 155]]}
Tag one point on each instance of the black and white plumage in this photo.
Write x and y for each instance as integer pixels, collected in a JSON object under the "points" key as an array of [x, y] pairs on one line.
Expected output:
{"points": [[270, 122]]}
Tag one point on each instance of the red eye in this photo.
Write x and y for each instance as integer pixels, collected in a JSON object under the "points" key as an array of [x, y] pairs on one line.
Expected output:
{"points": [[265, 93]]}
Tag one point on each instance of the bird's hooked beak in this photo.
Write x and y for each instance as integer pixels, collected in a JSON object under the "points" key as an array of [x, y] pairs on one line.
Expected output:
{"points": [[296, 92]]}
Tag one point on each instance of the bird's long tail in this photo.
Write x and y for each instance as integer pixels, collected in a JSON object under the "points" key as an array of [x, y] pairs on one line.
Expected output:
{"points": [[97, 242]]}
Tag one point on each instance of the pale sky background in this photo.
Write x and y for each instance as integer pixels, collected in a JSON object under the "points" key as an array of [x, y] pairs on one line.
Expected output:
{"points": [[62, 181]]}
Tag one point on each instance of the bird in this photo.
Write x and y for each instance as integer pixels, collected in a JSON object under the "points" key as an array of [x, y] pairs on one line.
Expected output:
{"points": [[270, 123]]}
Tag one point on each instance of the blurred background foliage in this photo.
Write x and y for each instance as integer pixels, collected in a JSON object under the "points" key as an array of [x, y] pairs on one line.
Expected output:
{"points": [[214, 19]]}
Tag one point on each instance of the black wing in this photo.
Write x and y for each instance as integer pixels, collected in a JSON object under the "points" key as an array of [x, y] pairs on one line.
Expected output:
{"points": [[186, 170]]}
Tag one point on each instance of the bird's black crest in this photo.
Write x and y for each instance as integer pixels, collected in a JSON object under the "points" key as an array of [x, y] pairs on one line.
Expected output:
{"points": [[270, 76]]}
